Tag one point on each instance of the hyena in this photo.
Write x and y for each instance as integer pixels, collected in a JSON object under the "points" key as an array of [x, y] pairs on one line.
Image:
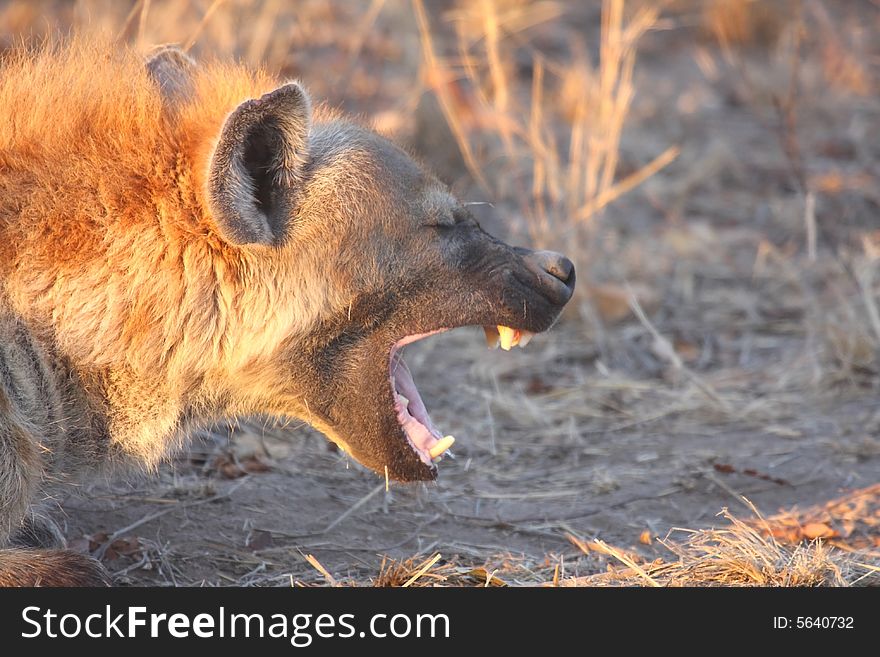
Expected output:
{"points": [[181, 243]]}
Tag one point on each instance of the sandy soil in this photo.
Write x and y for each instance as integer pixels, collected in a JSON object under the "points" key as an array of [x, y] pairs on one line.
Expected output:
{"points": [[518, 485]]}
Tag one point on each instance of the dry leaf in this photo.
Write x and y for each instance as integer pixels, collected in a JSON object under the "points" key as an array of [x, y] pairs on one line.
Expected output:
{"points": [[610, 301], [258, 539], [482, 575], [230, 468], [83, 545], [252, 464], [817, 530], [687, 350]]}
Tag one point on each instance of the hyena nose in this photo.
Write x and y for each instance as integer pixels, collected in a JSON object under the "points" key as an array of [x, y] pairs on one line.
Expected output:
{"points": [[555, 270], [557, 265]]}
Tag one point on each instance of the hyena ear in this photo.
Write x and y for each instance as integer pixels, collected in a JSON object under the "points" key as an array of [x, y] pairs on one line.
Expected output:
{"points": [[257, 165], [173, 71]]}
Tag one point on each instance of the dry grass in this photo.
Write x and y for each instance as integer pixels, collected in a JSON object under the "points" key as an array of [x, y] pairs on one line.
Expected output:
{"points": [[764, 552], [782, 550], [789, 549], [735, 23], [558, 139], [739, 555]]}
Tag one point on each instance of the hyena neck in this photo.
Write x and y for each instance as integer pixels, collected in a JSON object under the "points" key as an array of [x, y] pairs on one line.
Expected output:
{"points": [[150, 417], [73, 419], [47, 404]]}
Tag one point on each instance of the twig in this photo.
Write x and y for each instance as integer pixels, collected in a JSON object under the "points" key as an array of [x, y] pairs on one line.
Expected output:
{"points": [[739, 497], [810, 223], [135, 566], [99, 553], [667, 351], [201, 26], [357, 505], [865, 277]]}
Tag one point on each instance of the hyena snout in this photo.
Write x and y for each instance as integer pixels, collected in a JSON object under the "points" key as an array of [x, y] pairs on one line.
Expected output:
{"points": [[555, 274]]}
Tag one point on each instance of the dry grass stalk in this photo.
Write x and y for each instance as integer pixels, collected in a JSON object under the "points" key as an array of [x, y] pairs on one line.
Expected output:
{"points": [[865, 276], [313, 561], [742, 555], [666, 351], [620, 555], [572, 180], [405, 573], [425, 567], [142, 21], [438, 80], [201, 26]]}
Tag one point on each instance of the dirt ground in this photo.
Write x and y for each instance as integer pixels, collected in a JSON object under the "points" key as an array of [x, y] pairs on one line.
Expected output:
{"points": [[518, 485], [753, 371]]}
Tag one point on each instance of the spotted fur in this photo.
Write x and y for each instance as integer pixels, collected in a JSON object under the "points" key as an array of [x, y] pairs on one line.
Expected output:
{"points": [[181, 243]]}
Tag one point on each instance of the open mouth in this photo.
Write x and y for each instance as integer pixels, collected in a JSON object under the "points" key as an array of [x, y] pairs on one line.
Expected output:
{"points": [[423, 436]]}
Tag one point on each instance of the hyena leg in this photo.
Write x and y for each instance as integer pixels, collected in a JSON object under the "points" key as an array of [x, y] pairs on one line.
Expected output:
{"points": [[38, 530], [19, 473]]}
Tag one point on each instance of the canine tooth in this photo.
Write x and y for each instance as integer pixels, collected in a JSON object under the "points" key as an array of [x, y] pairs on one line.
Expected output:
{"points": [[491, 336], [403, 400], [525, 338], [509, 337], [442, 445]]}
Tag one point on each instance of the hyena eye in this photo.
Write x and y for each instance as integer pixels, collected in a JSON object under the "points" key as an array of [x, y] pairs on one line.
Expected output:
{"points": [[442, 221], [456, 217], [448, 219]]}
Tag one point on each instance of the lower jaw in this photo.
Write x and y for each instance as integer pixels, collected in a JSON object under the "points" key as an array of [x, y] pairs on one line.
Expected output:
{"points": [[412, 416]]}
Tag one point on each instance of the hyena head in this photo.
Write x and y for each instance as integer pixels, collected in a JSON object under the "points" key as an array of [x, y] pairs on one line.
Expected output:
{"points": [[389, 255]]}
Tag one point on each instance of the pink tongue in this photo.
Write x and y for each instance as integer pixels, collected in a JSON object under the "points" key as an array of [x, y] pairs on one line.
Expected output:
{"points": [[417, 434], [407, 387], [413, 417]]}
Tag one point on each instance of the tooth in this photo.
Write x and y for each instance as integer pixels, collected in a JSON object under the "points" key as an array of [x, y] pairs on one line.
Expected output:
{"points": [[491, 337], [403, 400], [525, 339], [509, 337], [442, 445]]}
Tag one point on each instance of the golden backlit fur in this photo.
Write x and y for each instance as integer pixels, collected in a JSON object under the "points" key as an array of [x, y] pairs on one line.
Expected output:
{"points": [[102, 187], [182, 243]]}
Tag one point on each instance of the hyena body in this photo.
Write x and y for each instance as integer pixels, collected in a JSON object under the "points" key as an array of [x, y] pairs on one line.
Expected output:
{"points": [[183, 243]]}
